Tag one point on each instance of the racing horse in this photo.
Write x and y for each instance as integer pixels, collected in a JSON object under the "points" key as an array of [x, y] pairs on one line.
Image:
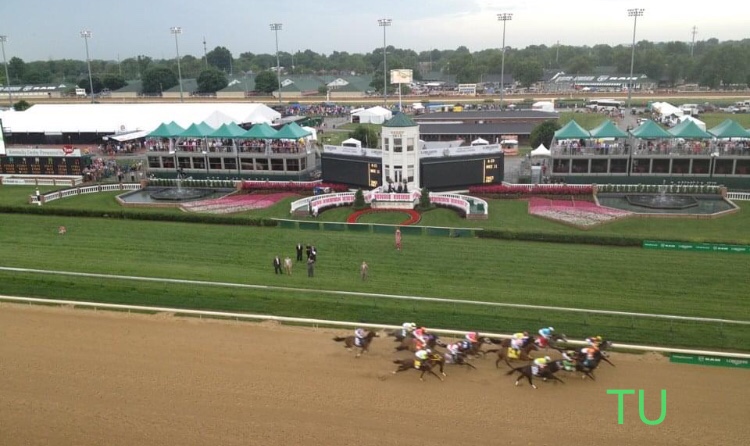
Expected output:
{"points": [[459, 359], [542, 342], [476, 347], [410, 343], [506, 352], [532, 371], [426, 366], [363, 344]]}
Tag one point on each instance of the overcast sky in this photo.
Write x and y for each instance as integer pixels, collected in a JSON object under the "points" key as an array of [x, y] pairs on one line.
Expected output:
{"points": [[49, 29]]}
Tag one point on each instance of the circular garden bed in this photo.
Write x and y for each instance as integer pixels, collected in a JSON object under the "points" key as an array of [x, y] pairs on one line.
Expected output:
{"points": [[413, 216]]}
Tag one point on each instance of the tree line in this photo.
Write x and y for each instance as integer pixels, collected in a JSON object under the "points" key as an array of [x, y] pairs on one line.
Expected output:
{"points": [[709, 63]]}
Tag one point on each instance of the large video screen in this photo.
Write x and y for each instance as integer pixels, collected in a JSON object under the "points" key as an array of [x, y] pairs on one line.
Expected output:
{"points": [[448, 173]]}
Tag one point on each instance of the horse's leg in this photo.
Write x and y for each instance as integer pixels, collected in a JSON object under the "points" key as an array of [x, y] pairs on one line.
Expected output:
{"points": [[557, 379], [530, 381], [499, 358], [434, 374]]}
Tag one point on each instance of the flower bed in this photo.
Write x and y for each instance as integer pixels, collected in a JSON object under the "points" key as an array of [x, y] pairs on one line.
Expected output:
{"points": [[503, 191], [414, 216], [235, 203], [580, 214]]}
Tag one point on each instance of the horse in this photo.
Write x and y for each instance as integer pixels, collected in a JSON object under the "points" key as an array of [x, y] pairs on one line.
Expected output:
{"points": [[587, 366], [505, 346], [530, 370], [425, 366], [351, 342], [459, 359], [476, 347], [410, 343], [543, 342], [398, 335]]}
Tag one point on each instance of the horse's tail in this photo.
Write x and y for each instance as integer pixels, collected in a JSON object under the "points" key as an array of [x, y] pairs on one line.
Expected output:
{"points": [[339, 339]]}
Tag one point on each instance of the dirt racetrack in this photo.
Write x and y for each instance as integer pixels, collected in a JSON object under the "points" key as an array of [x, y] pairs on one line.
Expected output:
{"points": [[79, 377]]}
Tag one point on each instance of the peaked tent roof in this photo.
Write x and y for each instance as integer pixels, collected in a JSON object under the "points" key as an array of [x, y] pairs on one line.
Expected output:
{"points": [[197, 130], [572, 130], [400, 120], [729, 129], [261, 131], [689, 130], [228, 131], [607, 130], [166, 130], [541, 151], [650, 130], [291, 131]]}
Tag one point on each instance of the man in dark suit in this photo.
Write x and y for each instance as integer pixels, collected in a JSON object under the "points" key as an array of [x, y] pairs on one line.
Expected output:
{"points": [[300, 248], [277, 265], [314, 254], [308, 251]]}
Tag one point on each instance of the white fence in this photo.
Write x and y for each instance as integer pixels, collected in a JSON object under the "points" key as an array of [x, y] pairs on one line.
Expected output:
{"points": [[52, 196], [739, 196], [14, 180], [317, 322]]}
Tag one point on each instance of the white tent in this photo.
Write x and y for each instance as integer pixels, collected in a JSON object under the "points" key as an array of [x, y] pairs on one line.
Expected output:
{"points": [[373, 115], [479, 142], [666, 109], [541, 151], [121, 118], [313, 133], [545, 106], [351, 142], [698, 122]]}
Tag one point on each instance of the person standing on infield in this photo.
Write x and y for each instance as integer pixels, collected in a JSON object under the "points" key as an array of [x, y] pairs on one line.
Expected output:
{"points": [[363, 270], [398, 239]]}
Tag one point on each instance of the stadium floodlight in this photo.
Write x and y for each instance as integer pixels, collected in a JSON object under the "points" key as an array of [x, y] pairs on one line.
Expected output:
{"points": [[384, 23], [276, 27], [176, 31], [503, 17], [634, 13], [86, 36]]}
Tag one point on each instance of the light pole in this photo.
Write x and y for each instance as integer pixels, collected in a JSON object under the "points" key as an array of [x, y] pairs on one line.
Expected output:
{"points": [[3, 39], [384, 23], [176, 30], [634, 13], [86, 35], [276, 27], [503, 17]]}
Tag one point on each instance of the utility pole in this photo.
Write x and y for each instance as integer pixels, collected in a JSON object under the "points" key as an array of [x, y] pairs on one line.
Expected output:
{"points": [[385, 23], [634, 13], [692, 45], [557, 54], [276, 27], [205, 51], [504, 17]]}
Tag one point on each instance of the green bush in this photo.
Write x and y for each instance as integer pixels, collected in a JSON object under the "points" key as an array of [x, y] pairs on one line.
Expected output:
{"points": [[585, 239]]}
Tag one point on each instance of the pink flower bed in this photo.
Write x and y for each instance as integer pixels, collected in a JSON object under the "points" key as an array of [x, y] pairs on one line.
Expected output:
{"points": [[235, 203], [578, 213], [291, 186], [530, 191]]}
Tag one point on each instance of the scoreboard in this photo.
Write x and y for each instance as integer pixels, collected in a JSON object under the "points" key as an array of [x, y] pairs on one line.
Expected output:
{"points": [[455, 172], [44, 165], [353, 171]]}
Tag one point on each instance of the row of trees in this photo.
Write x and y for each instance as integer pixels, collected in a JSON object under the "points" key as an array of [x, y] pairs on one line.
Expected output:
{"points": [[710, 63]]}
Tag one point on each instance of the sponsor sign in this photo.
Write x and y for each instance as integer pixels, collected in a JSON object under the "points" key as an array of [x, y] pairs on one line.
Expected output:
{"points": [[68, 151], [686, 246], [710, 360]]}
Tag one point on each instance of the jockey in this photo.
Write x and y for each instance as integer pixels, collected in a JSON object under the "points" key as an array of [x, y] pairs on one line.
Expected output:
{"points": [[407, 328], [546, 333], [463, 345], [570, 355], [541, 363], [420, 334], [594, 341], [518, 341], [472, 337], [455, 350], [360, 334], [421, 355], [590, 355]]}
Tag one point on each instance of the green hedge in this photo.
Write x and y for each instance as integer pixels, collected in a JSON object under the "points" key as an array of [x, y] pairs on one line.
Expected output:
{"points": [[586, 239], [135, 215]]}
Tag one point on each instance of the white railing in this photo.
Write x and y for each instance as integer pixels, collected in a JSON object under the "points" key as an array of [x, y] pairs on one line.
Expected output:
{"points": [[740, 196], [452, 200], [547, 186], [282, 183], [40, 181], [328, 200], [317, 322], [52, 196], [303, 203]]}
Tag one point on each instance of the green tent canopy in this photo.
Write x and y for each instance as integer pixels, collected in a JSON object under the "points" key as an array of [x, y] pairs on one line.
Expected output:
{"points": [[166, 130], [607, 130], [231, 130], [650, 130], [197, 131], [292, 131], [729, 129], [572, 130], [688, 129], [260, 131]]}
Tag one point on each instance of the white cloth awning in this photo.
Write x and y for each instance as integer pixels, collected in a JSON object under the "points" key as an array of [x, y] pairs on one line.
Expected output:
{"points": [[541, 151], [122, 137]]}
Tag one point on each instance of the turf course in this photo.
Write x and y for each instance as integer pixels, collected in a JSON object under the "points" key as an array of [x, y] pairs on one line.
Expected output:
{"points": [[624, 279]]}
